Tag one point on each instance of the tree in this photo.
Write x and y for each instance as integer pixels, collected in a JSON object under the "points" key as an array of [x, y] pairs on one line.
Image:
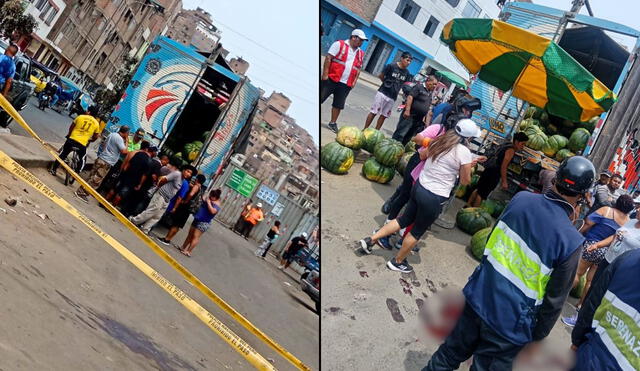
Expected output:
{"points": [[108, 98], [13, 22]]}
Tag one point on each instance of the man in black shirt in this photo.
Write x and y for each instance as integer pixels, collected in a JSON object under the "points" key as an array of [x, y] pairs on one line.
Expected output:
{"points": [[139, 200], [393, 76], [133, 173], [417, 107], [295, 245]]}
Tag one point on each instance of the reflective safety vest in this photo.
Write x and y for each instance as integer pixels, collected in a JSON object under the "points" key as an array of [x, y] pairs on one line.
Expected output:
{"points": [[339, 61], [532, 237], [614, 343]]}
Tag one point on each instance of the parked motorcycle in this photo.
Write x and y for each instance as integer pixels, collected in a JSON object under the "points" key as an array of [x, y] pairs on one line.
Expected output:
{"points": [[43, 101]]}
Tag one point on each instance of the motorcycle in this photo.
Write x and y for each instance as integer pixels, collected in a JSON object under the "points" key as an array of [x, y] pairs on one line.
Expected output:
{"points": [[43, 101]]}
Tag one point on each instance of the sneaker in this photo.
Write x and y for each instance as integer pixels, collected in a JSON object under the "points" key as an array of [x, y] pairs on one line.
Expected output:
{"points": [[386, 207], [333, 127], [81, 197], [53, 172], [403, 267], [570, 321], [384, 242], [366, 245], [164, 241], [398, 244]]}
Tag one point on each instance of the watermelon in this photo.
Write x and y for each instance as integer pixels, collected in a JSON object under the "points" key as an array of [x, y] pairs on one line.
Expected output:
{"points": [[336, 158], [576, 292], [526, 123], [461, 191], [530, 112], [168, 152], [479, 241], [371, 138], [564, 154], [544, 118], [191, 150], [493, 207], [388, 152], [579, 139], [205, 136], [537, 138], [410, 147], [591, 124], [474, 181], [350, 136], [473, 219], [402, 164], [377, 172], [554, 144]]}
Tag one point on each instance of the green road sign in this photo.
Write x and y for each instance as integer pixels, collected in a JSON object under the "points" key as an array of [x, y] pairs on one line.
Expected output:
{"points": [[242, 182]]}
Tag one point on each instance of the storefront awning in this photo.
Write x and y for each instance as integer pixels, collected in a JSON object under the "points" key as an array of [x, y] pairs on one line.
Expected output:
{"points": [[453, 78]]}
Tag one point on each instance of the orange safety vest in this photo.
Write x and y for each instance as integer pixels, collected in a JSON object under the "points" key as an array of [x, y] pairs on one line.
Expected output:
{"points": [[338, 62], [254, 216]]}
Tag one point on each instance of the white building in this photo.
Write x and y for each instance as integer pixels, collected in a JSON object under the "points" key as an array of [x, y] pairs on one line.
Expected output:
{"points": [[46, 13], [415, 26]]}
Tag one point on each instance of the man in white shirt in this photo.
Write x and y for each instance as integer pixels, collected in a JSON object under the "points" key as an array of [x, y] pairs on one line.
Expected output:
{"points": [[340, 72]]}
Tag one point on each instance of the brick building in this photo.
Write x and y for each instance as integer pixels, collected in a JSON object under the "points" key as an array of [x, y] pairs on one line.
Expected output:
{"points": [[92, 37], [239, 66], [281, 153], [194, 28]]}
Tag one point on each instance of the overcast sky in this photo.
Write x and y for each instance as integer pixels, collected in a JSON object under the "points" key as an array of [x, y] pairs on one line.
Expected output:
{"points": [[279, 38], [621, 11]]}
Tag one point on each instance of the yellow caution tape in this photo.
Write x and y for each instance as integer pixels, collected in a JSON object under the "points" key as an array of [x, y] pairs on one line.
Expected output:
{"points": [[5, 105], [213, 323]]}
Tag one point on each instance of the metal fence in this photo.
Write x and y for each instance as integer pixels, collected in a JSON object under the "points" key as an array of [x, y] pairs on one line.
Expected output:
{"points": [[293, 218]]}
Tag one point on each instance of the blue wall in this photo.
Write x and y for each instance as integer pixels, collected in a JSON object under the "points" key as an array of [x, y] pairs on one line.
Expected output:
{"points": [[419, 57]]}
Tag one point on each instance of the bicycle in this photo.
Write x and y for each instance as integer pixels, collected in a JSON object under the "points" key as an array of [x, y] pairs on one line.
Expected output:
{"points": [[74, 161]]}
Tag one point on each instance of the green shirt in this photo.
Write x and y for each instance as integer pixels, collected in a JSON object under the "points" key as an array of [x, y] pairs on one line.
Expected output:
{"points": [[131, 147]]}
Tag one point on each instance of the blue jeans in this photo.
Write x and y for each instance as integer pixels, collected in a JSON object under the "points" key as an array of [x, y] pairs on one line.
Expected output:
{"points": [[54, 99]]}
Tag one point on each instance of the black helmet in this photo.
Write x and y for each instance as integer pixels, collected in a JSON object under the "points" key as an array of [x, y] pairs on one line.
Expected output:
{"points": [[575, 175], [468, 102]]}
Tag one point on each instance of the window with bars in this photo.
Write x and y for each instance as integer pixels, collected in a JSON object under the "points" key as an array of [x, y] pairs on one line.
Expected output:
{"points": [[471, 10], [408, 10], [431, 26]]}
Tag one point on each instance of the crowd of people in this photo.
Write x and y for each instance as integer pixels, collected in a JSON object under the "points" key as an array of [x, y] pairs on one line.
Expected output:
{"points": [[145, 187], [535, 254], [149, 188]]}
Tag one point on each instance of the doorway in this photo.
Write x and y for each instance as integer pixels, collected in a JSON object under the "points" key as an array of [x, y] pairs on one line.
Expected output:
{"points": [[377, 54]]}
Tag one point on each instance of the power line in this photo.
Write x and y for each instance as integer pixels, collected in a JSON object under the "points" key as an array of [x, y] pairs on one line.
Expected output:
{"points": [[263, 47]]}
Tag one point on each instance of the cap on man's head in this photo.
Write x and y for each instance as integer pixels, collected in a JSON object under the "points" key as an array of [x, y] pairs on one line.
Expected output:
{"points": [[605, 173], [259, 205], [359, 33], [153, 149], [124, 129], [140, 131], [305, 235]]}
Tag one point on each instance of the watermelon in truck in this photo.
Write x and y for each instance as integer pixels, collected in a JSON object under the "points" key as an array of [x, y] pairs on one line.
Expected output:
{"points": [[187, 102], [587, 39]]}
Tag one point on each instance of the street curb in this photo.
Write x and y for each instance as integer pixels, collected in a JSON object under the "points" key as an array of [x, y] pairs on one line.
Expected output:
{"points": [[29, 153]]}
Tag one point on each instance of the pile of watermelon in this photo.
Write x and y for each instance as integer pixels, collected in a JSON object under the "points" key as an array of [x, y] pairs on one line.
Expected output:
{"points": [[381, 168], [555, 137], [337, 157], [493, 207], [473, 219], [479, 241]]}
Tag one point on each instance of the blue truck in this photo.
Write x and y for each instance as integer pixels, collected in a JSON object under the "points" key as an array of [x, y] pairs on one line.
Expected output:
{"points": [[194, 108]]}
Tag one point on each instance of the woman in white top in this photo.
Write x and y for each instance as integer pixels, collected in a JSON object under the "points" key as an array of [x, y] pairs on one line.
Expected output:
{"points": [[447, 157]]}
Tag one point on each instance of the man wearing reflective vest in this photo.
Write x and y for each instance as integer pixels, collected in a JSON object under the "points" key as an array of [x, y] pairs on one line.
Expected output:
{"points": [[340, 72], [607, 334], [515, 295]]}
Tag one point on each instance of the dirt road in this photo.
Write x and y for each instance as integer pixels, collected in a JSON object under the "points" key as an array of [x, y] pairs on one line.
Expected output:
{"points": [[72, 302]]}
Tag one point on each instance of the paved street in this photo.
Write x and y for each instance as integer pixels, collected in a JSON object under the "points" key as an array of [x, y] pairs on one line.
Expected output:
{"points": [[50, 125], [75, 303], [366, 304]]}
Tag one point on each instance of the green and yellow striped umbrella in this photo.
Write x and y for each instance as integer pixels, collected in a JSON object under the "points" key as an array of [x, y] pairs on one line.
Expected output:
{"points": [[536, 69]]}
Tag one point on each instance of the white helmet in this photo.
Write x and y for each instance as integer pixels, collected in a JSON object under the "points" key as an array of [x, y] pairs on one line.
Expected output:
{"points": [[305, 235], [467, 128]]}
